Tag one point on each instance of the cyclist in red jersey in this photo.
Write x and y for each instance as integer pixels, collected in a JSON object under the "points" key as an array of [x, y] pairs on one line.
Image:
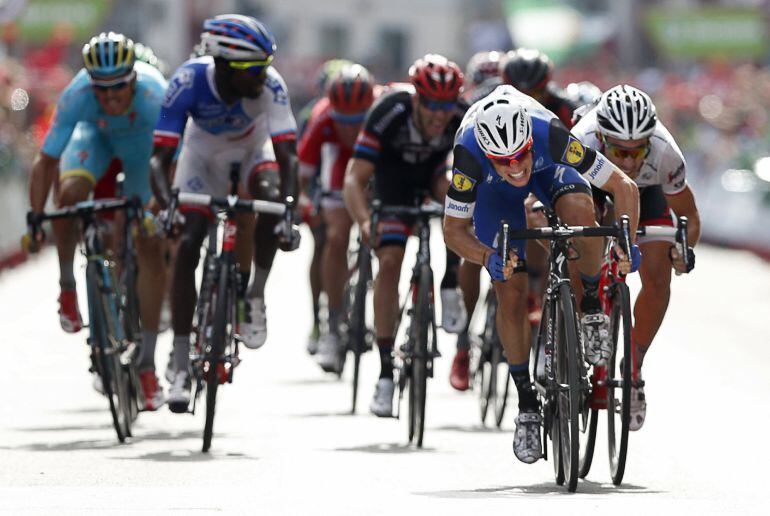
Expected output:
{"points": [[327, 145]]}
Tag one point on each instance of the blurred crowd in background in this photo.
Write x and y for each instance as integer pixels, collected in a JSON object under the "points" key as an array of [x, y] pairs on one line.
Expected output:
{"points": [[717, 106]]}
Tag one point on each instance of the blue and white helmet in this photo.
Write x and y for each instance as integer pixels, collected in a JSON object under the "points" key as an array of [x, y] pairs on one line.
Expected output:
{"points": [[109, 55], [235, 37], [502, 126]]}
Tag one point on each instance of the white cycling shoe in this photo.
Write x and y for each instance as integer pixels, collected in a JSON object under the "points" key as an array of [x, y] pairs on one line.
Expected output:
{"points": [[327, 355], [526, 440], [638, 407], [253, 331], [454, 316], [179, 392], [382, 402], [596, 336]]}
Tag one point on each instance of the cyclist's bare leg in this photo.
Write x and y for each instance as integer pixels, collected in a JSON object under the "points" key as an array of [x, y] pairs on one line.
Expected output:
{"points": [[512, 323], [577, 209], [334, 262], [72, 190], [653, 298], [470, 284], [318, 231], [244, 248], [150, 286], [263, 185], [389, 258]]}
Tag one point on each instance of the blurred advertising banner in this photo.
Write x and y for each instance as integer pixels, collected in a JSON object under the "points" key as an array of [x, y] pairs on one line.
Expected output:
{"points": [[733, 33], [40, 19], [556, 27]]}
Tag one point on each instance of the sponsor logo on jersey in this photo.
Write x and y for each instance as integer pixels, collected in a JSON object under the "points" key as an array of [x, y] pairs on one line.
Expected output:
{"points": [[182, 80], [676, 173], [279, 94], [459, 210], [385, 121], [453, 206], [461, 182], [574, 153], [597, 167]]}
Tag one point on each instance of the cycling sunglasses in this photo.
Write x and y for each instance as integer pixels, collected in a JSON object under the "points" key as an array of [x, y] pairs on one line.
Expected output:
{"points": [[113, 84], [253, 67], [621, 152], [112, 87], [516, 157], [437, 105]]}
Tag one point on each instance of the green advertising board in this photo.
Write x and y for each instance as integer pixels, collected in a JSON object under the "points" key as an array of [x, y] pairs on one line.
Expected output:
{"points": [[735, 33], [40, 17]]}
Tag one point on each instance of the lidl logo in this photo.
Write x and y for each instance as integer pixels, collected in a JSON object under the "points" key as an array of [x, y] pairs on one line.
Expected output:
{"points": [[461, 182], [575, 152]]}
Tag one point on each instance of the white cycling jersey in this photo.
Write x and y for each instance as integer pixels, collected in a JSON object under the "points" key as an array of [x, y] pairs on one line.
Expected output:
{"points": [[664, 164]]}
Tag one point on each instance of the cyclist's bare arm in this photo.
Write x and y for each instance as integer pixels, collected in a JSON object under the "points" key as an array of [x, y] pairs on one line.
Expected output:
{"points": [[357, 176], [160, 165], [286, 156], [459, 237], [683, 204], [45, 172], [626, 197]]}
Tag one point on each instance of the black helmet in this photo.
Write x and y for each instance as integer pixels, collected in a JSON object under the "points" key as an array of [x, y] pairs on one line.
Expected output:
{"points": [[526, 69]]}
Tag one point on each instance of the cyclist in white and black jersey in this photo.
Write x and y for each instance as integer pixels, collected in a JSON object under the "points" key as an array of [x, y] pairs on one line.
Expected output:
{"points": [[624, 126]]}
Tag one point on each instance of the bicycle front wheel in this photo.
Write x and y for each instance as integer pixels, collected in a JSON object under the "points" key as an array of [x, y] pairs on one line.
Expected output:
{"points": [[568, 378], [502, 382], [418, 383], [619, 410], [215, 364], [357, 322]]}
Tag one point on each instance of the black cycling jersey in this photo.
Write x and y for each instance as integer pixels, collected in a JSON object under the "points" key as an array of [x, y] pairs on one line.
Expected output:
{"points": [[405, 163], [559, 103]]}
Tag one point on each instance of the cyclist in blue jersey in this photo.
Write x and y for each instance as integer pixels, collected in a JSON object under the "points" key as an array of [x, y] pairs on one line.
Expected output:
{"points": [[230, 107], [508, 147], [108, 111]]}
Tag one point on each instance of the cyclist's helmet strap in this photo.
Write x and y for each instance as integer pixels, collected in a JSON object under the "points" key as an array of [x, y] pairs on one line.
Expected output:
{"points": [[109, 55], [436, 78], [351, 90], [235, 37], [626, 113], [526, 69]]}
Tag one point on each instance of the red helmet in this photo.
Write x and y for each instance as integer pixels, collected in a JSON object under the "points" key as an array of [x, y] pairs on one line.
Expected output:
{"points": [[435, 77], [351, 90]]}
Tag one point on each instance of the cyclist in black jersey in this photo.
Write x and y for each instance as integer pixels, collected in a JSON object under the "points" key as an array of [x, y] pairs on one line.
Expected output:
{"points": [[404, 144]]}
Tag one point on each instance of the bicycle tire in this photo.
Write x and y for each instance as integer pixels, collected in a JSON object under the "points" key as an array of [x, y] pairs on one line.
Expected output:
{"points": [[100, 345], [419, 371], [483, 374], [218, 335], [620, 318], [357, 327], [501, 384], [589, 443], [569, 400], [132, 327]]}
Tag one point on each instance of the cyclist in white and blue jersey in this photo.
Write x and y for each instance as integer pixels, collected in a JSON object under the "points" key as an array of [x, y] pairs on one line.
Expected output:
{"points": [[227, 106], [108, 111], [507, 147]]}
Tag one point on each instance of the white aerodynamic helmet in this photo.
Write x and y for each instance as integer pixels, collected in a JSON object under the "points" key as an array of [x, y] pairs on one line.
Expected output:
{"points": [[626, 113], [502, 126]]}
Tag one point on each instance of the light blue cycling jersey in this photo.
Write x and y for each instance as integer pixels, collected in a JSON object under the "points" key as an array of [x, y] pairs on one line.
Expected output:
{"points": [[86, 139], [192, 94]]}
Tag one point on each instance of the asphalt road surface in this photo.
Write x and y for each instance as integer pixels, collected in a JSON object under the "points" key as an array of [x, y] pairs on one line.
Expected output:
{"points": [[284, 443]]}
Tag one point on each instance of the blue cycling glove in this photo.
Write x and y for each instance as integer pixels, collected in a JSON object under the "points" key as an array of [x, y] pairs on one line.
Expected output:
{"points": [[494, 266], [636, 258]]}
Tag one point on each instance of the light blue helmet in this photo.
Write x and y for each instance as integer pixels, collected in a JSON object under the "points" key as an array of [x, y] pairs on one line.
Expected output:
{"points": [[109, 55]]}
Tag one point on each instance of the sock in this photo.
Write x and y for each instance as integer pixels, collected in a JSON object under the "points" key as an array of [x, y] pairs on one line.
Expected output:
{"points": [[450, 275], [67, 275], [316, 309], [147, 351], [243, 283], [334, 321], [385, 345], [181, 352], [590, 302], [258, 285], [527, 397], [463, 341]]}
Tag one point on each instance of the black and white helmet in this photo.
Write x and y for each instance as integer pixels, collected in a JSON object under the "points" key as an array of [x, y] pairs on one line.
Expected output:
{"points": [[502, 126], [626, 113]]}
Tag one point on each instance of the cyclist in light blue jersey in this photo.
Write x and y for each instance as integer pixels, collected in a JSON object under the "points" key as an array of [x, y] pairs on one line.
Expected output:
{"points": [[107, 112]]}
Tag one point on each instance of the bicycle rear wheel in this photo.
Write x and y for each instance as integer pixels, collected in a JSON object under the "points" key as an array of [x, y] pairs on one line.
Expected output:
{"points": [[568, 377], [484, 370], [619, 411], [129, 315], [418, 383], [588, 442], [223, 304], [502, 382]]}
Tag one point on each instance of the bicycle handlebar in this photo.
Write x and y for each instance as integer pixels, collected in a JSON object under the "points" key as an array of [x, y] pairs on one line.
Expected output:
{"points": [[232, 202], [430, 210]]}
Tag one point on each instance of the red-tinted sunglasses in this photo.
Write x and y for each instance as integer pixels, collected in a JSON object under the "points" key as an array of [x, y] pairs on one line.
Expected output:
{"points": [[516, 157]]}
